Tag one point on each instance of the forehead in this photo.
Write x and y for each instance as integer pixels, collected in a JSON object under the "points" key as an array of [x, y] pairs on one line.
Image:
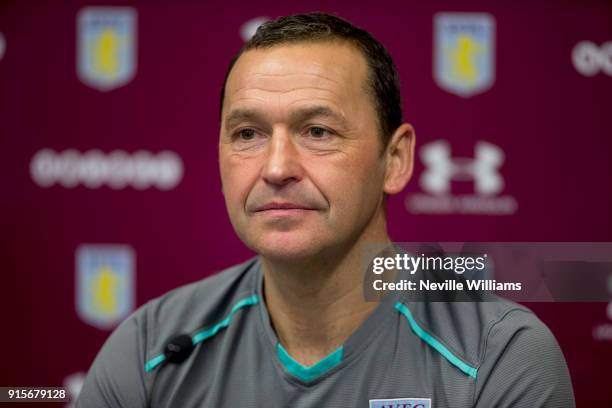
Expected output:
{"points": [[333, 72]]}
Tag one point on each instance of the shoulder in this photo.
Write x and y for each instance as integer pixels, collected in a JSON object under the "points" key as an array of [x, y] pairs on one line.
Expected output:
{"points": [[465, 328], [522, 364], [117, 376], [510, 354], [474, 334], [204, 294], [189, 308]]}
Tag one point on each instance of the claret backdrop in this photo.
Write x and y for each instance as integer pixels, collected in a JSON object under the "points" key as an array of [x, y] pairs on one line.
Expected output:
{"points": [[110, 184]]}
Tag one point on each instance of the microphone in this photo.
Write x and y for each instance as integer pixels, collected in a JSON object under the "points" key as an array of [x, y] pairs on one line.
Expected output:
{"points": [[178, 348]]}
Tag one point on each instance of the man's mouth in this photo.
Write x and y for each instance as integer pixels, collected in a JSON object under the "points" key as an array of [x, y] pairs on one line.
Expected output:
{"points": [[272, 206]]}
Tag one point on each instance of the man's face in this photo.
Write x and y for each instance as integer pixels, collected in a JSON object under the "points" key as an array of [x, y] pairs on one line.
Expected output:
{"points": [[299, 150]]}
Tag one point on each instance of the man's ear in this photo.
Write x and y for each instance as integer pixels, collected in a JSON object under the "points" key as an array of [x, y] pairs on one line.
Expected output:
{"points": [[399, 159]]}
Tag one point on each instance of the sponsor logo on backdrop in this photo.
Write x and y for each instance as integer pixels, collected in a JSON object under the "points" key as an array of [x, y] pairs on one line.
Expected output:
{"points": [[248, 29], [464, 52], [106, 46], [401, 403], [73, 384], [2, 46], [589, 59], [441, 169], [117, 169], [105, 284]]}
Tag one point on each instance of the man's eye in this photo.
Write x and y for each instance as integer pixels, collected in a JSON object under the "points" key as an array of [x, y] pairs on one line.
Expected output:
{"points": [[318, 132], [246, 134]]}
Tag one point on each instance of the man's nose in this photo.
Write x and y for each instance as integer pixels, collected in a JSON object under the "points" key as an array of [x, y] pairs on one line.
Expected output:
{"points": [[282, 163]]}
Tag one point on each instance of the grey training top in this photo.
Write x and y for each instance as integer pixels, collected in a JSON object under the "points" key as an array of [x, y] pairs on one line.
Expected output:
{"points": [[404, 355]]}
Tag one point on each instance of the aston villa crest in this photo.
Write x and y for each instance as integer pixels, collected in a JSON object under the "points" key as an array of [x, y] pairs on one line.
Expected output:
{"points": [[106, 46], [105, 276], [464, 55]]}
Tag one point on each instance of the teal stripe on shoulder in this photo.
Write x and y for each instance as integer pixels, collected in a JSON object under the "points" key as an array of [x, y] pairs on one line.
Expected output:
{"points": [[309, 373], [209, 332], [434, 343]]}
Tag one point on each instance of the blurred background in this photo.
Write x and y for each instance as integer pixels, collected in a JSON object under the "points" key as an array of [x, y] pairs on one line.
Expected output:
{"points": [[111, 193]]}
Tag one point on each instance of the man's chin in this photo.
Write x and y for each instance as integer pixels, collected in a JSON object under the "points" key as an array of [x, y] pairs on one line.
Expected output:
{"points": [[284, 251], [288, 255]]}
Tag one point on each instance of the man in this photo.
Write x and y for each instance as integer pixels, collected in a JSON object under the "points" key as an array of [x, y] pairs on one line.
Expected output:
{"points": [[311, 143]]}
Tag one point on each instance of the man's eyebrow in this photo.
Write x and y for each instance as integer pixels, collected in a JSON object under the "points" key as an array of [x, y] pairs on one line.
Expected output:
{"points": [[304, 114], [241, 115], [298, 116]]}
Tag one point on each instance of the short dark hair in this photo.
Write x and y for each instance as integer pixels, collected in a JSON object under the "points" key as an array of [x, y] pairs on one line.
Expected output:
{"points": [[383, 80]]}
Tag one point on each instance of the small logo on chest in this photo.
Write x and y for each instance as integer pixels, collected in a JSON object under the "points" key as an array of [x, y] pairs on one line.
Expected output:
{"points": [[401, 403]]}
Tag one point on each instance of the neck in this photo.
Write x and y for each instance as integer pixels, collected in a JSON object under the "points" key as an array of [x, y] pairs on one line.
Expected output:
{"points": [[316, 304]]}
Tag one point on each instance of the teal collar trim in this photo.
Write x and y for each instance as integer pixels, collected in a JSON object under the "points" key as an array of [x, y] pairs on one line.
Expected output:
{"points": [[209, 332], [433, 342], [312, 372]]}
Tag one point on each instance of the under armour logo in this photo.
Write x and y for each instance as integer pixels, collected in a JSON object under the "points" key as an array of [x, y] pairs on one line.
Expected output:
{"points": [[442, 168]]}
